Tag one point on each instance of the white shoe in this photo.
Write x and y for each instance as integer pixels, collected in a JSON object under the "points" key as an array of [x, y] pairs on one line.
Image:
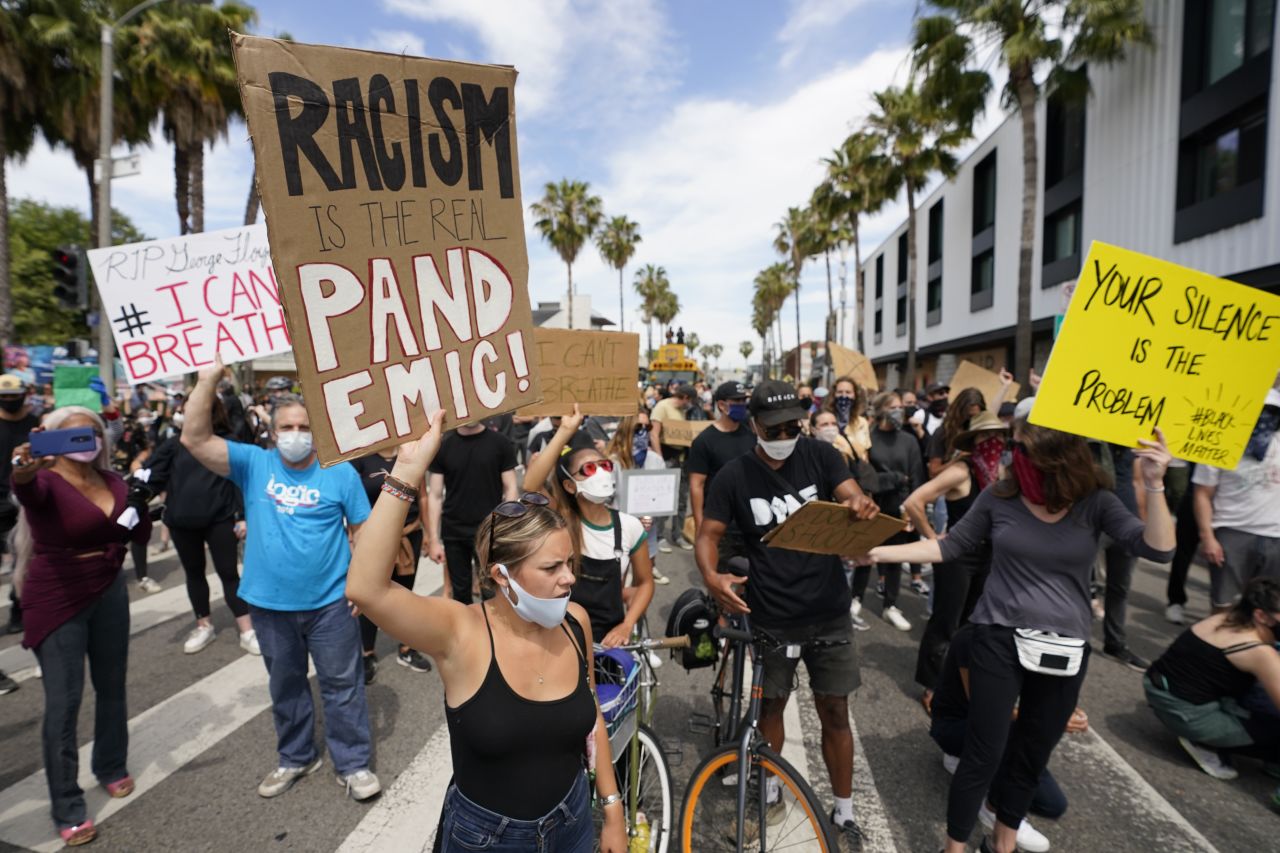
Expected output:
{"points": [[894, 617], [198, 639], [1029, 839], [684, 546], [149, 585], [1209, 760], [361, 785], [1175, 614], [249, 642], [855, 607], [660, 579], [283, 778], [950, 763], [664, 547]]}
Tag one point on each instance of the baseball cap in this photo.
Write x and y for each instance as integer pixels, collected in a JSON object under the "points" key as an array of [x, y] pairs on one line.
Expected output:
{"points": [[730, 391], [937, 388], [774, 402], [1023, 409], [10, 384], [685, 390]]}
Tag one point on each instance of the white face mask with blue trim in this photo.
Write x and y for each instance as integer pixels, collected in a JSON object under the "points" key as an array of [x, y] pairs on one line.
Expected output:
{"points": [[547, 612]]}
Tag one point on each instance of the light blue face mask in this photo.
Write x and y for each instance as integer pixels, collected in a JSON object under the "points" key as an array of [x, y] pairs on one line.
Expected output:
{"points": [[547, 612]]}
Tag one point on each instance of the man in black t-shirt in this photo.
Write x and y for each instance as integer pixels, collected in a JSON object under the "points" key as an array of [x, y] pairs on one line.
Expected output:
{"points": [[16, 423], [800, 599], [473, 472], [726, 439]]}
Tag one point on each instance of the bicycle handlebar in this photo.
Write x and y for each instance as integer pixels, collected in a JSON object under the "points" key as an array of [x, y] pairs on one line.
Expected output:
{"points": [[737, 635], [655, 643]]}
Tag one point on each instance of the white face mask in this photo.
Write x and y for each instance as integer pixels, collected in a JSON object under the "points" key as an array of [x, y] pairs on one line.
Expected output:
{"points": [[547, 612], [778, 450], [294, 446], [87, 456], [177, 419], [829, 433], [599, 488]]}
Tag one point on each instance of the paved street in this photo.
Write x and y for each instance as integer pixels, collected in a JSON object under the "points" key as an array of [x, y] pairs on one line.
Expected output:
{"points": [[202, 738]]}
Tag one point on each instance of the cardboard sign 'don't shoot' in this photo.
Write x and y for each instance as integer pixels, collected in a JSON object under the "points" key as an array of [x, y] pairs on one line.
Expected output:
{"points": [[391, 189], [823, 527]]}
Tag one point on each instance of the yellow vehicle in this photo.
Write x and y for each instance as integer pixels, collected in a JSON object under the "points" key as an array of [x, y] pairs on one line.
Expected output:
{"points": [[673, 362]]}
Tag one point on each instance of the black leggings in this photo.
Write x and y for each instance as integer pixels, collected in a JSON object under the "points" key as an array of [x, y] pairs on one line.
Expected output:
{"points": [[139, 552], [189, 543], [1003, 759], [956, 588], [891, 572]]}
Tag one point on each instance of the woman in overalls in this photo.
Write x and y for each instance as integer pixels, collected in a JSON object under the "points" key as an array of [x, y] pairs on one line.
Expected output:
{"points": [[614, 572]]}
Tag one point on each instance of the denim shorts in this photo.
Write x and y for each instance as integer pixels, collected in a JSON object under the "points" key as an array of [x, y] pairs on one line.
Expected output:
{"points": [[567, 828]]}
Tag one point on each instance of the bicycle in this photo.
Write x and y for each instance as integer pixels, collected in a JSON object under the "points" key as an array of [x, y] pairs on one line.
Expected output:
{"points": [[625, 686], [716, 814]]}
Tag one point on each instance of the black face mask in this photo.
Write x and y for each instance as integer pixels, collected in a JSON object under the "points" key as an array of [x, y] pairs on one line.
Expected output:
{"points": [[12, 405], [910, 411], [938, 408]]}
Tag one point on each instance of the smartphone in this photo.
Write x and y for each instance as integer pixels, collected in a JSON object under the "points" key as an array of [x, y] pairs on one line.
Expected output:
{"points": [[59, 442]]}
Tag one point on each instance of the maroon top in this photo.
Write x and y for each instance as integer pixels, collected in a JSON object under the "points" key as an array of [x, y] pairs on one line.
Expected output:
{"points": [[65, 524]]}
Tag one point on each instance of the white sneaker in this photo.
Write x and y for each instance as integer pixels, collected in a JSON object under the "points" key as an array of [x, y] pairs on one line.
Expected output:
{"points": [[1209, 760], [249, 642], [283, 778], [1029, 839], [664, 547], [660, 579], [361, 785], [149, 585], [1175, 614], [950, 763], [894, 617], [684, 545], [855, 608], [198, 639]]}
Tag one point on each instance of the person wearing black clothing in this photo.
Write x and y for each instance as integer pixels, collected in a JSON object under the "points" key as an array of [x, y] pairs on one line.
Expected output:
{"points": [[201, 509], [1120, 563], [373, 470], [474, 471], [895, 455], [16, 422], [726, 439], [799, 598], [236, 417]]}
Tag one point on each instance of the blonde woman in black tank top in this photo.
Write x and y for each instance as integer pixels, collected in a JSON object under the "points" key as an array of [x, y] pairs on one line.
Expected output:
{"points": [[519, 694]]}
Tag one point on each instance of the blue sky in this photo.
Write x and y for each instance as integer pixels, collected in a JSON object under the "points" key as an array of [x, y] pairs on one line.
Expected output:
{"points": [[703, 121]]}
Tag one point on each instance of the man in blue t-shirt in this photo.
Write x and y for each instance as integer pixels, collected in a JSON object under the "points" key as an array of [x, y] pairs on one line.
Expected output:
{"points": [[299, 517]]}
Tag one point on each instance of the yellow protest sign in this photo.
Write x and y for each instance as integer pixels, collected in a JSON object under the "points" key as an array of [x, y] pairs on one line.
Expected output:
{"points": [[1149, 343]]}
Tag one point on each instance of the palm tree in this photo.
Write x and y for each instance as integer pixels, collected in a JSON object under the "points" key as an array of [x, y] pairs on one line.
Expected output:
{"points": [[568, 215], [666, 309], [692, 341], [856, 172], [617, 243], [650, 283], [19, 72], [773, 285], [715, 351], [795, 242], [1030, 37], [745, 349]]}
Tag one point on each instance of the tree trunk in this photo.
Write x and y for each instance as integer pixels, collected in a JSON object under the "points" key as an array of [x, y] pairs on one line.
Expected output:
{"points": [[829, 328], [569, 307], [251, 206], [182, 187], [1025, 87], [87, 168], [197, 188], [911, 287], [844, 290], [798, 338], [650, 326], [622, 315], [860, 289], [6, 297]]}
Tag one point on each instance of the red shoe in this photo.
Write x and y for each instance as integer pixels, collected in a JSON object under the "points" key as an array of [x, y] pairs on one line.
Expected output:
{"points": [[74, 836], [120, 788]]}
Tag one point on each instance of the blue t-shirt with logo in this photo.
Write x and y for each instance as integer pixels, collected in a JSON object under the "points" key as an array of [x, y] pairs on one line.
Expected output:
{"points": [[296, 552]]}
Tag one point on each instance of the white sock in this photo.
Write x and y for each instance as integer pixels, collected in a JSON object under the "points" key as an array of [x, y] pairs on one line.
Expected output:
{"points": [[844, 809]]}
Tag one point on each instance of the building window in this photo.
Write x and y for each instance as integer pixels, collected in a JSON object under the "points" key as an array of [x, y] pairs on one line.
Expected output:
{"points": [[934, 299], [935, 233], [1224, 159], [1234, 31], [984, 194], [1063, 188], [1062, 234], [982, 286], [902, 257], [1064, 139], [901, 306], [879, 306]]}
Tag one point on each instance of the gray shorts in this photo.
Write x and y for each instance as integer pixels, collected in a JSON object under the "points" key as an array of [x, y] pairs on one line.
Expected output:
{"points": [[829, 656], [1245, 556]]}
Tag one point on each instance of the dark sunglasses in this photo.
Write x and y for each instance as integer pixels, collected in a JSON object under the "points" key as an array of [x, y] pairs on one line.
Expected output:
{"points": [[515, 509], [781, 431], [589, 469]]}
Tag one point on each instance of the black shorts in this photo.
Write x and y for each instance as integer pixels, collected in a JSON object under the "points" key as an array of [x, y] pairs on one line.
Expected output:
{"points": [[831, 661]]}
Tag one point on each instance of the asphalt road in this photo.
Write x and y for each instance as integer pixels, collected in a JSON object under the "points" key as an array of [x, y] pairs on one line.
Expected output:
{"points": [[202, 738]]}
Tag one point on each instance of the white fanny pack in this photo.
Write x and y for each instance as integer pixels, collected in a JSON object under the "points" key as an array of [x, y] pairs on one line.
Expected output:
{"points": [[1048, 653]]}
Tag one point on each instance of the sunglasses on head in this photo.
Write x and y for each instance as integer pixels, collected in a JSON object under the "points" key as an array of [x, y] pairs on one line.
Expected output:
{"points": [[790, 429], [515, 509]]}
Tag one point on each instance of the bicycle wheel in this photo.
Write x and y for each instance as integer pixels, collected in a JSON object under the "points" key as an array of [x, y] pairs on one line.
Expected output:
{"points": [[794, 822], [654, 792]]}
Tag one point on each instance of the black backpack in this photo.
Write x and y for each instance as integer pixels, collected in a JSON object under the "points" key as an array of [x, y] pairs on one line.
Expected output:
{"points": [[693, 616]]}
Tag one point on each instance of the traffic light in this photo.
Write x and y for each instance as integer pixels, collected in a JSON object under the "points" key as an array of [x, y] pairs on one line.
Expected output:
{"points": [[69, 277]]}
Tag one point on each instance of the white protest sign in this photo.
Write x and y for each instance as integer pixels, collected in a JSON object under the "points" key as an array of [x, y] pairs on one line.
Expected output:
{"points": [[174, 304], [653, 493]]}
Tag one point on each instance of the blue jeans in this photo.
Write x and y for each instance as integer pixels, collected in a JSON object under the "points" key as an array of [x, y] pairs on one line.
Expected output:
{"points": [[331, 636], [565, 829]]}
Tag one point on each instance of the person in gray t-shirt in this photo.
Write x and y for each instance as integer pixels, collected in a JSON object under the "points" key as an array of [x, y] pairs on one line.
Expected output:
{"points": [[1043, 519]]}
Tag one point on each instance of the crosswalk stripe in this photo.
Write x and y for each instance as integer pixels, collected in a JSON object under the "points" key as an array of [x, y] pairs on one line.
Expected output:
{"points": [[405, 817]]}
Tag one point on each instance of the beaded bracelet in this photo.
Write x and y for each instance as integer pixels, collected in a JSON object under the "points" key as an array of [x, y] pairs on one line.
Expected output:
{"points": [[412, 491], [398, 494]]}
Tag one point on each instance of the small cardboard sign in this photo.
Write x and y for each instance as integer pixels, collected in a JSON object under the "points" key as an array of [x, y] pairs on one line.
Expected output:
{"points": [[822, 527], [681, 433], [596, 370], [71, 387], [970, 375], [174, 304], [850, 362], [1146, 343], [391, 189], [652, 493]]}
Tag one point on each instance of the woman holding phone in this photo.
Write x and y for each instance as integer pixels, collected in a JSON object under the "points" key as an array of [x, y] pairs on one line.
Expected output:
{"points": [[74, 528]]}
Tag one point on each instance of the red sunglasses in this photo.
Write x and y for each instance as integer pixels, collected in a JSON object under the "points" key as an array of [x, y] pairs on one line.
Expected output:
{"points": [[589, 469]]}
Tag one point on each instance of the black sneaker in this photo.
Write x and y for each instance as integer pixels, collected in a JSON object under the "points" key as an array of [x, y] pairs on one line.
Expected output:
{"points": [[1128, 658], [415, 660], [850, 830], [7, 684], [370, 668]]}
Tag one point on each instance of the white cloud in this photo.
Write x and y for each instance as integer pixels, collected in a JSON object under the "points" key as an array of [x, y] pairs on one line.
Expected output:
{"points": [[809, 18], [397, 41]]}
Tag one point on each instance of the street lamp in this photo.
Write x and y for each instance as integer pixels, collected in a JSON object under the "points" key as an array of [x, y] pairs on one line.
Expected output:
{"points": [[106, 345]]}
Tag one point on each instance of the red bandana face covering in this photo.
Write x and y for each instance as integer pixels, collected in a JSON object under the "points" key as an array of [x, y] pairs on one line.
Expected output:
{"points": [[986, 460], [1030, 478]]}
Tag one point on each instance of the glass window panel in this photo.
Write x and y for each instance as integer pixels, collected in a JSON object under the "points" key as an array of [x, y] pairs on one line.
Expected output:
{"points": [[902, 256], [935, 295], [984, 273], [1225, 51], [1261, 26]]}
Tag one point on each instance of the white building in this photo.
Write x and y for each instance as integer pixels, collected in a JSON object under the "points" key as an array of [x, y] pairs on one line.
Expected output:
{"points": [[1173, 155]]}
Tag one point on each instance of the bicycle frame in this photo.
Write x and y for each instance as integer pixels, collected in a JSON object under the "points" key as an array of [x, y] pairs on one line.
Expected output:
{"points": [[747, 732]]}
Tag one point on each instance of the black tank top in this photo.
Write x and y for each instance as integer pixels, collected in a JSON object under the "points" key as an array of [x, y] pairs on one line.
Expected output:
{"points": [[512, 755], [1198, 672], [957, 508]]}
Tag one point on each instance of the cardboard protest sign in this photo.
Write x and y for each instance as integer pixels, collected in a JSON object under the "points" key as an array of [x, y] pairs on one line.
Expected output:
{"points": [[821, 527], [391, 191], [970, 375], [596, 370], [71, 386], [653, 493], [1147, 343], [681, 433], [850, 362], [174, 304]]}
